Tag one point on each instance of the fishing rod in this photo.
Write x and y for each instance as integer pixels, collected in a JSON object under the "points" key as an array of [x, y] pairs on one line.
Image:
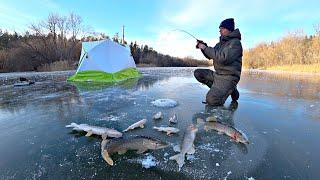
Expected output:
{"points": [[181, 30]]}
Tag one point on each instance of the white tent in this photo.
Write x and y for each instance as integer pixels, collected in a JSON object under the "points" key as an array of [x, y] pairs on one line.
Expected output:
{"points": [[105, 55]]}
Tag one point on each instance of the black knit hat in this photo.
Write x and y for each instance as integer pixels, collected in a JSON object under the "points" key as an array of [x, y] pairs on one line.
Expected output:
{"points": [[228, 24]]}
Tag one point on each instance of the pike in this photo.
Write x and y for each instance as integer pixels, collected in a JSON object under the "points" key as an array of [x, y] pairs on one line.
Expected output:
{"points": [[235, 134], [101, 131], [121, 146], [137, 124], [187, 146], [168, 130]]}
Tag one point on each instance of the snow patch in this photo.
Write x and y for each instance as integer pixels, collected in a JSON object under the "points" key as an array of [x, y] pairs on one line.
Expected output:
{"points": [[164, 103], [149, 161]]}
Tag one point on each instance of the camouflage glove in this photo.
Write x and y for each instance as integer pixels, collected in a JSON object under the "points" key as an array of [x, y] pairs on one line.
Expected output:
{"points": [[201, 45]]}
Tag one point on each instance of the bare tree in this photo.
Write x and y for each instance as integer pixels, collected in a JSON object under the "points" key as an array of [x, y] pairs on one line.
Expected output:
{"points": [[62, 26], [52, 24], [50, 40], [74, 25]]}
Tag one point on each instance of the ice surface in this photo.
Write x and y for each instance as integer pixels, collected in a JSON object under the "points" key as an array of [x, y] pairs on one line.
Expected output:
{"points": [[35, 117]]}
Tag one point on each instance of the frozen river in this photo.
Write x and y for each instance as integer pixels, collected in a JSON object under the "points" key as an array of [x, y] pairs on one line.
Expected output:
{"points": [[279, 113]]}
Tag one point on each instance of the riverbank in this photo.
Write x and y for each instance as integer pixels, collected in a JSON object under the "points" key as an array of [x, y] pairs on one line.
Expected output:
{"points": [[295, 68]]}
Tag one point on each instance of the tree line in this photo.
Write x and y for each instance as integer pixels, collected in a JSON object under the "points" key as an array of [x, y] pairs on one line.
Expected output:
{"points": [[295, 48], [55, 44], [147, 55]]}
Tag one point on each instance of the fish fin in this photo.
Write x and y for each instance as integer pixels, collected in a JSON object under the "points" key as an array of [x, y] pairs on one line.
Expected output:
{"points": [[106, 157], [177, 148], [125, 130], [142, 126], [142, 150], [169, 133], [192, 150], [122, 151], [89, 133], [179, 158], [71, 125], [220, 132]]}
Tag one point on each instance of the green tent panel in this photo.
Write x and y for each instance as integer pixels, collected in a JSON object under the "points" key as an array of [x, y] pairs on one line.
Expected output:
{"points": [[100, 76], [105, 61]]}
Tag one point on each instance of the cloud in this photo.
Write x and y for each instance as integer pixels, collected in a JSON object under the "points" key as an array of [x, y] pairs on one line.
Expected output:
{"points": [[259, 21], [194, 13], [173, 43], [13, 18], [177, 44]]}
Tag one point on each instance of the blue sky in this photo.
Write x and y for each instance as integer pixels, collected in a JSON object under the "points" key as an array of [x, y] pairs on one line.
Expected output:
{"points": [[152, 21]]}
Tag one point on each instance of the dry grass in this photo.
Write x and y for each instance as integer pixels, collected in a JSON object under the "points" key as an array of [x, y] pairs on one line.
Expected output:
{"points": [[293, 52], [56, 66], [309, 68], [146, 65]]}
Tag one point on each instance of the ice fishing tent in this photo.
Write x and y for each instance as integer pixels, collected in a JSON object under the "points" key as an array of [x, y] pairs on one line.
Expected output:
{"points": [[105, 61]]}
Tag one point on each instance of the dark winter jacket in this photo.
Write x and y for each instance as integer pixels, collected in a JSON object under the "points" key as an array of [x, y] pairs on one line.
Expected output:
{"points": [[227, 55]]}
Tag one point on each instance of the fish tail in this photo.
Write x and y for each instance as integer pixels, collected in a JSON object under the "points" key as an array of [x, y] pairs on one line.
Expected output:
{"points": [[106, 157], [179, 158], [104, 143]]}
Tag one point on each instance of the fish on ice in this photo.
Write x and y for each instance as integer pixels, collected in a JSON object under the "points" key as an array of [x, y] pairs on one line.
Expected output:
{"points": [[173, 119], [168, 130], [97, 130], [139, 143], [135, 125], [230, 131], [187, 146]]}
